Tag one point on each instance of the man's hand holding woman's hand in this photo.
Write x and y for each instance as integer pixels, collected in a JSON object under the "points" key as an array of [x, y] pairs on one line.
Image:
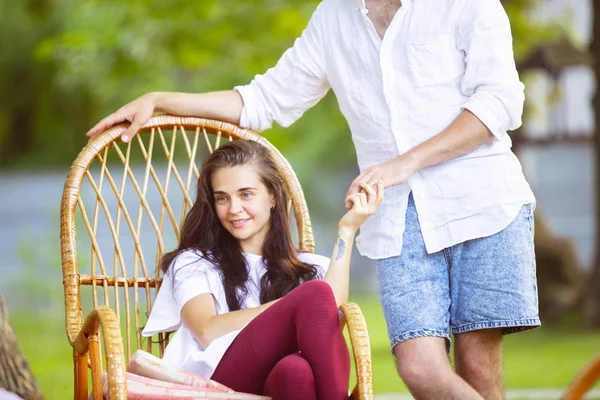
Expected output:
{"points": [[389, 173], [363, 205]]}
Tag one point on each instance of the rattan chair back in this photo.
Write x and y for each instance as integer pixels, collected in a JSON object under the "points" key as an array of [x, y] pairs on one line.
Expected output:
{"points": [[122, 208]]}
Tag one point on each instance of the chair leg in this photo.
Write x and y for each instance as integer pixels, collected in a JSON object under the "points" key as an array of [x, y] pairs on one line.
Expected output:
{"points": [[80, 362], [583, 382], [95, 358]]}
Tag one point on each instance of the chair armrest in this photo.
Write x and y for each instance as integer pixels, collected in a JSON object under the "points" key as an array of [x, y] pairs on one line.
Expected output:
{"points": [[352, 317], [584, 381], [87, 340]]}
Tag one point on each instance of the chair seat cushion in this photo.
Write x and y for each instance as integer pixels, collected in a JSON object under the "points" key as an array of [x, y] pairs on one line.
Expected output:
{"points": [[149, 378]]}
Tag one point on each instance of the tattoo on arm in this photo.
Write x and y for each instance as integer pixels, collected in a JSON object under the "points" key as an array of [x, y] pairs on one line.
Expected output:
{"points": [[341, 245]]}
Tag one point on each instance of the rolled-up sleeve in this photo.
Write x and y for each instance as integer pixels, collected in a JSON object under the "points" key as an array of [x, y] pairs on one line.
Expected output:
{"points": [[491, 80], [295, 84]]}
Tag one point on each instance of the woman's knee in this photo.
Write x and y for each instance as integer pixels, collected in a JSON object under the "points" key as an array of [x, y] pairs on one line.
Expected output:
{"points": [[291, 378], [317, 291], [315, 300]]}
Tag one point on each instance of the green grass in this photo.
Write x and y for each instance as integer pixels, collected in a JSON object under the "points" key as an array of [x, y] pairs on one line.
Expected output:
{"points": [[43, 341], [547, 358]]}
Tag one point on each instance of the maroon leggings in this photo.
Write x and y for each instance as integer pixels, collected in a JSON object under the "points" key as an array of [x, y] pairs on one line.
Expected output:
{"points": [[294, 350]]}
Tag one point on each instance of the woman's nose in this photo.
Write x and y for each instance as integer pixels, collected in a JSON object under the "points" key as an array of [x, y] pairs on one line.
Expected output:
{"points": [[235, 206]]}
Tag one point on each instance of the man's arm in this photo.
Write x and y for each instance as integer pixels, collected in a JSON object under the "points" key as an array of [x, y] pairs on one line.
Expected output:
{"points": [[224, 106], [496, 95], [465, 134]]}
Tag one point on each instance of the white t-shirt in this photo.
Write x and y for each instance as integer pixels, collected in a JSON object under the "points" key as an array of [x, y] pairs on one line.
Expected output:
{"points": [[194, 275]]}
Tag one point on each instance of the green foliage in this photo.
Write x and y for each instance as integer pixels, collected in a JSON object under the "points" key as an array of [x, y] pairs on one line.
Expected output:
{"points": [[44, 344], [527, 33]]}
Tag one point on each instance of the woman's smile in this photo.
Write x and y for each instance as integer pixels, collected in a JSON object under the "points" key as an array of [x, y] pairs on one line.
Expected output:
{"points": [[240, 223]]}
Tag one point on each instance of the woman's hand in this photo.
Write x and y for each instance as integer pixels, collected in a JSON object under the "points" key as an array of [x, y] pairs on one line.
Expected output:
{"points": [[137, 113], [363, 205]]}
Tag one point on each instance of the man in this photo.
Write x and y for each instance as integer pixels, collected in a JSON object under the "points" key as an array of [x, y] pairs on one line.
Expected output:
{"points": [[429, 89]]}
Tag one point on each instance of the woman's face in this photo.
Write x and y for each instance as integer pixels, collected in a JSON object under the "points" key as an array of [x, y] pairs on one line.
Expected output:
{"points": [[243, 205]]}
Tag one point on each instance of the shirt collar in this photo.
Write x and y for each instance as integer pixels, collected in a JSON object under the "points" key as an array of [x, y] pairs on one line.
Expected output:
{"points": [[360, 4]]}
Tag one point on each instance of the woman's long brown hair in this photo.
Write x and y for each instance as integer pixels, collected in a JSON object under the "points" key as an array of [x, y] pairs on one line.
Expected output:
{"points": [[202, 231]]}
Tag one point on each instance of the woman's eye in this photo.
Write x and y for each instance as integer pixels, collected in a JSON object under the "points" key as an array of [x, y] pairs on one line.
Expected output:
{"points": [[245, 195], [221, 199]]}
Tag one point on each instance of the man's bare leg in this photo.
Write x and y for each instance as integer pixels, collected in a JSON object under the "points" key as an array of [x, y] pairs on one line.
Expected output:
{"points": [[424, 367], [478, 360]]}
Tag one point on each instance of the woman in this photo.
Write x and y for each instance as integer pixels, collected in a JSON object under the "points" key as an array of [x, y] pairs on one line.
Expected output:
{"points": [[251, 312]]}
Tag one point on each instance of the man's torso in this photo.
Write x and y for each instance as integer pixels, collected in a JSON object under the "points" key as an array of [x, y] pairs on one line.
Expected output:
{"points": [[398, 72]]}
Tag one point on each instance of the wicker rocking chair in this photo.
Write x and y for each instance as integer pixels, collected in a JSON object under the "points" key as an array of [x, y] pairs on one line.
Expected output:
{"points": [[127, 202]]}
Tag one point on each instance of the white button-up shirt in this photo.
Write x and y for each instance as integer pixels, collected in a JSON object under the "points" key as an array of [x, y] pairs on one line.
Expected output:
{"points": [[436, 58]]}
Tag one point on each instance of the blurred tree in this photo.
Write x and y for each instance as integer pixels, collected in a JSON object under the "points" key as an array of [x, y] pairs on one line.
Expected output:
{"points": [[592, 304], [38, 117], [561, 280], [527, 32]]}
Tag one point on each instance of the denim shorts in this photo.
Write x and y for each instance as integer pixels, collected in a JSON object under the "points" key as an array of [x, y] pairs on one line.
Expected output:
{"points": [[483, 283]]}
